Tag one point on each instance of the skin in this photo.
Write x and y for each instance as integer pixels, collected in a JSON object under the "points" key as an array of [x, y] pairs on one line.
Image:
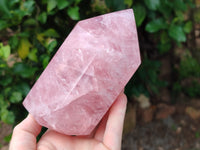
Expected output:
{"points": [[107, 136]]}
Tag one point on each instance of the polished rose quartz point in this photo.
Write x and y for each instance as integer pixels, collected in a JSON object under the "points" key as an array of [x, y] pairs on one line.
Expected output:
{"points": [[87, 74]]}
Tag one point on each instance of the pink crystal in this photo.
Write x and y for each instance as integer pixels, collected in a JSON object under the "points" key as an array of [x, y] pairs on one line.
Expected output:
{"points": [[86, 74]]}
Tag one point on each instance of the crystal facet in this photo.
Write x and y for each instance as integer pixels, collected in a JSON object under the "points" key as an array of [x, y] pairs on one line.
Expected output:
{"points": [[86, 74]]}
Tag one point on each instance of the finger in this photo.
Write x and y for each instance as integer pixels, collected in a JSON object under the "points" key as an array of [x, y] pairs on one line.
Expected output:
{"points": [[101, 128], [24, 135], [91, 135], [114, 126]]}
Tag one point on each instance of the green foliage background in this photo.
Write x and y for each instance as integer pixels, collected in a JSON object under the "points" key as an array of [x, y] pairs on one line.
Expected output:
{"points": [[32, 30]]}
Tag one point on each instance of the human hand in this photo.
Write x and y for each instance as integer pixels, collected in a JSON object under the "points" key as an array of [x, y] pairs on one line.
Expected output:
{"points": [[107, 136]]}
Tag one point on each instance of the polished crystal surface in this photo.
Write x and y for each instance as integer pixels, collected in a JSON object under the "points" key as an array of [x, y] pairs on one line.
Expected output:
{"points": [[86, 74]]}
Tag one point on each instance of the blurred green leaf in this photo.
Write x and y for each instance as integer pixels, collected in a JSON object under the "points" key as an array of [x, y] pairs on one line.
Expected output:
{"points": [[42, 17], [179, 5], [7, 138], [166, 8], [44, 1], [164, 37], [30, 22], [33, 55], [23, 48], [45, 60], [115, 4], [77, 2], [188, 27], [13, 2], [140, 13], [164, 47], [179, 16], [7, 91], [24, 70], [176, 32], [197, 134], [3, 103], [1, 99], [7, 116], [128, 2], [4, 51], [24, 34], [152, 4], [13, 42], [40, 37], [156, 25], [4, 81], [16, 97], [192, 89], [189, 67], [24, 88], [165, 43], [51, 33], [62, 4], [73, 12], [4, 7], [51, 46], [3, 24], [51, 4], [28, 6], [3, 65]]}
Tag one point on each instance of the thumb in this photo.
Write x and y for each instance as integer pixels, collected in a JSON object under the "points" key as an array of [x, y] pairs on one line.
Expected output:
{"points": [[24, 135]]}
